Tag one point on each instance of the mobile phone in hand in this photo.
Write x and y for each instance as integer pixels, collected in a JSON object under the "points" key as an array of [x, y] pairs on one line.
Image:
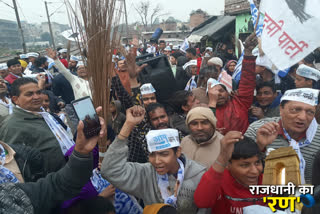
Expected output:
{"points": [[86, 112]]}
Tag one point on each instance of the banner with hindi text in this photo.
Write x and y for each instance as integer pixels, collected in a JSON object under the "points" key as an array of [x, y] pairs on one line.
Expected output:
{"points": [[290, 31]]}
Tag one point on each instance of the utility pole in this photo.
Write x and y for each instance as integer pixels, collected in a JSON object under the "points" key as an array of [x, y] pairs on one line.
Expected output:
{"points": [[125, 11], [49, 23], [19, 25]]}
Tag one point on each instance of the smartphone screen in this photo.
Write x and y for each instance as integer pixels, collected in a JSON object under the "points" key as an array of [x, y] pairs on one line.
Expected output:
{"points": [[86, 112]]}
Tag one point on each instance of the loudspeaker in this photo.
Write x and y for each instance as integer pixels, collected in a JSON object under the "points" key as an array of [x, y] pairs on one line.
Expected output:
{"points": [[159, 74], [156, 35]]}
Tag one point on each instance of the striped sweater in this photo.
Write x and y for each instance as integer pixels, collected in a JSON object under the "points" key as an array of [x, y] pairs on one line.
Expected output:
{"points": [[308, 152]]}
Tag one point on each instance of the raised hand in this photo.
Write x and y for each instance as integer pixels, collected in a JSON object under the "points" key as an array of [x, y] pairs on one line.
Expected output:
{"points": [[266, 134], [249, 44], [41, 80], [213, 95], [52, 53], [227, 144], [135, 115]]}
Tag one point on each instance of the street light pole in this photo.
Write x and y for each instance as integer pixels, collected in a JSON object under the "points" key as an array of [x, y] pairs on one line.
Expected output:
{"points": [[19, 25], [49, 23], [125, 11]]}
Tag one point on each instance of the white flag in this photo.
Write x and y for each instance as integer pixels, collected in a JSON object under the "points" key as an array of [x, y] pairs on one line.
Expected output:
{"points": [[290, 31], [185, 45]]}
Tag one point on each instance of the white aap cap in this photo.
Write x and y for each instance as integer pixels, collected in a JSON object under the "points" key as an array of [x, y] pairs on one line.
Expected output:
{"points": [[80, 63], [74, 58], [158, 140], [209, 49], [63, 50], [147, 88], [191, 62], [3, 66], [305, 95], [23, 56], [167, 48], [33, 54], [213, 83], [308, 72], [264, 61]]}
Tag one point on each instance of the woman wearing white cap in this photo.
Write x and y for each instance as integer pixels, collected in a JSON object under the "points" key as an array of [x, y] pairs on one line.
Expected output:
{"points": [[80, 83], [169, 177]]}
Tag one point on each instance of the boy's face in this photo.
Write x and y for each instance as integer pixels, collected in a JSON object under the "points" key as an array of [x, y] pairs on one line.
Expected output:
{"points": [[246, 171], [165, 161]]}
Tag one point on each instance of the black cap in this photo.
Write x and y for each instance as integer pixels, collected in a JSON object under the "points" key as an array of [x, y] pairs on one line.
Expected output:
{"points": [[13, 62]]}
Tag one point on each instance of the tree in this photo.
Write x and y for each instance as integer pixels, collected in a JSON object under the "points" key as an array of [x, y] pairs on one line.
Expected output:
{"points": [[148, 15]]}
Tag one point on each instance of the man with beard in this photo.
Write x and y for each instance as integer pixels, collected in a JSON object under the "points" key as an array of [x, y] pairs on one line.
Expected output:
{"points": [[203, 143], [5, 102], [157, 118], [73, 63]]}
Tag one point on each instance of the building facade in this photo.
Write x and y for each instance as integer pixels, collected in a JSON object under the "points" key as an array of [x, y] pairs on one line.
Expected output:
{"points": [[197, 17], [10, 36]]}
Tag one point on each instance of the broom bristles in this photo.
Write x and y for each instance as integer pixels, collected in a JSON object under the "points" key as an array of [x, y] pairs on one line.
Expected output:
{"points": [[100, 37]]}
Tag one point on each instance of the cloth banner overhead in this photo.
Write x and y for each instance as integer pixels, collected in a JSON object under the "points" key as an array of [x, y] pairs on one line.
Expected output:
{"points": [[290, 31]]}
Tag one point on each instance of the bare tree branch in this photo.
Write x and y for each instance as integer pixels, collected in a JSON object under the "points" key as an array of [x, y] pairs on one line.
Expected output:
{"points": [[147, 14]]}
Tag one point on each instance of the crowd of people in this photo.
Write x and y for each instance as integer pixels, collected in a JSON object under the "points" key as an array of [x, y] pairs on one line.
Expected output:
{"points": [[197, 152]]}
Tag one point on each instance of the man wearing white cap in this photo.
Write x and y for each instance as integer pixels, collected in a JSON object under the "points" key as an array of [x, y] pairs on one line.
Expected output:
{"points": [[3, 70], [73, 63], [191, 70], [168, 178], [32, 56], [295, 127], [171, 45], [137, 152], [148, 94], [80, 83], [167, 51], [222, 75], [306, 77], [208, 52], [63, 53], [264, 68]]}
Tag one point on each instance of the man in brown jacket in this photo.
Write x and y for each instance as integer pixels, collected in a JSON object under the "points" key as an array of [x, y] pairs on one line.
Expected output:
{"points": [[203, 144]]}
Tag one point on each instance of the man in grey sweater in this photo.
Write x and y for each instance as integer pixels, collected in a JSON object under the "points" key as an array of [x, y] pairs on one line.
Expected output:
{"points": [[145, 180], [42, 196], [295, 127]]}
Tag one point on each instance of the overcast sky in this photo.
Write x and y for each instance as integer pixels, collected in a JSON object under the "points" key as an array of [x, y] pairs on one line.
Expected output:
{"points": [[33, 11]]}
